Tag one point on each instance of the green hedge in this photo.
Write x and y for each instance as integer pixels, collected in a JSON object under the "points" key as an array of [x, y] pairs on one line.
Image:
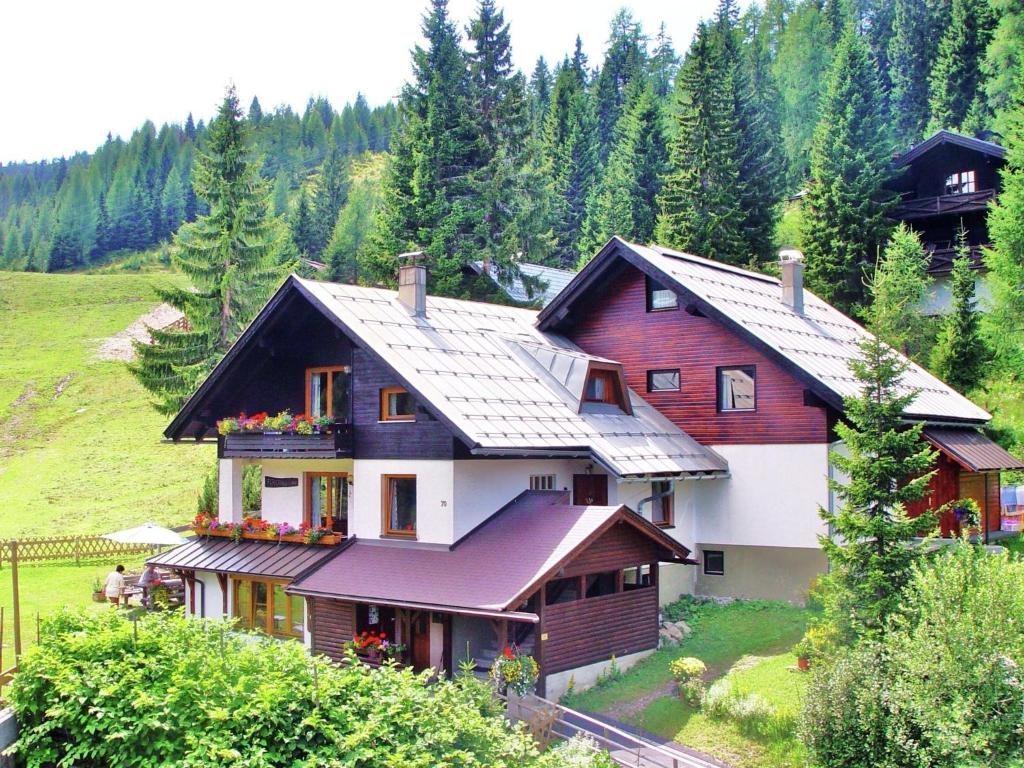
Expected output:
{"points": [[98, 691]]}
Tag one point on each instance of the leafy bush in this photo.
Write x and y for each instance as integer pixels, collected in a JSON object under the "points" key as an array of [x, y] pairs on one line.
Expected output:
{"points": [[689, 672], [577, 752], [186, 694], [944, 687], [718, 698], [684, 609], [820, 642]]}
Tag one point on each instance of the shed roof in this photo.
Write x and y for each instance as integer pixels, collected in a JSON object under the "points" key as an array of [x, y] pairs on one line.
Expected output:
{"points": [[497, 382], [477, 574], [817, 345], [272, 560], [553, 280], [972, 450]]}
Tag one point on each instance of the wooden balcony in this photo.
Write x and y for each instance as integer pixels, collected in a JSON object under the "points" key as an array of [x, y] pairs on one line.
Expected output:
{"points": [[941, 205], [336, 444]]}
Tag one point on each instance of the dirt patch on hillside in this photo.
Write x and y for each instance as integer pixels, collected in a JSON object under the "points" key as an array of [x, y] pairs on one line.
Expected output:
{"points": [[120, 347]]}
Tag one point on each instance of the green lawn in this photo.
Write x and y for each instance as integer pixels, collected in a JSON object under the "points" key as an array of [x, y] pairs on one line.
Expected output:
{"points": [[80, 444], [725, 638]]}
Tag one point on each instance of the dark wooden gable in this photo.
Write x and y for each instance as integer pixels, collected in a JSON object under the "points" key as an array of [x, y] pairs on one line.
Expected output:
{"points": [[621, 546]]}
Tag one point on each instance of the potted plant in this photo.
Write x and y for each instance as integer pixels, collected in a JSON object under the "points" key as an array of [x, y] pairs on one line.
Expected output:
{"points": [[98, 595], [818, 642], [514, 672]]}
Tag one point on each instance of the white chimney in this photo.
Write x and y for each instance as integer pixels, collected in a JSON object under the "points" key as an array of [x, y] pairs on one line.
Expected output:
{"points": [[412, 283], [791, 261]]}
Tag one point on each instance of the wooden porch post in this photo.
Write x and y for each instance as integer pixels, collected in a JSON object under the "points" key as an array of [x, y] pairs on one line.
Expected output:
{"points": [[538, 643]]}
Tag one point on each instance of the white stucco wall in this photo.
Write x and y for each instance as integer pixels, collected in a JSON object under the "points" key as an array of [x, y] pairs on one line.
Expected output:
{"points": [[434, 497], [939, 300], [286, 505], [771, 499], [210, 605]]}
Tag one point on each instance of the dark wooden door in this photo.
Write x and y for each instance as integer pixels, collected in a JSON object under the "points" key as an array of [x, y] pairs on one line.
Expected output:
{"points": [[420, 642], [590, 490]]}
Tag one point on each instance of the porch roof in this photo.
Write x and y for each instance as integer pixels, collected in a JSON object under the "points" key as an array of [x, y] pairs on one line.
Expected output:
{"points": [[273, 560], [972, 450], [495, 567]]}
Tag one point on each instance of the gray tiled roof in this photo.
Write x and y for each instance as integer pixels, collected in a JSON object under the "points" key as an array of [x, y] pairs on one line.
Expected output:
{"points": [[553, 281], [821, 342], [504, 385]]}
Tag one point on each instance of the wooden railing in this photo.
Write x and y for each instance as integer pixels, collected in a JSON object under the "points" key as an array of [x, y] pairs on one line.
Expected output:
{"points": [[337, 444], [920, 207], [68, 548]]}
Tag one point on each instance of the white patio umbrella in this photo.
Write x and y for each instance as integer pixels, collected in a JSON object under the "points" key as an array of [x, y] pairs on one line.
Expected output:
{"points": [[149, 533]]}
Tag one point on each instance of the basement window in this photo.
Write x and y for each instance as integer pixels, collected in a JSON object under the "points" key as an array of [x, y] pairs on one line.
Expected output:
{"points": [[659, 297], [714, 562]]}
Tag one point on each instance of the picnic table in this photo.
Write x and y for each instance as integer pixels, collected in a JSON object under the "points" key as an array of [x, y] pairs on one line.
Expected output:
{"points": [[164, 578]]}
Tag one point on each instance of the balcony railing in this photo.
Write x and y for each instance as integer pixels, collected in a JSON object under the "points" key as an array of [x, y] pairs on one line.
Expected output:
{"points": [[336, 444], [922, 207]]}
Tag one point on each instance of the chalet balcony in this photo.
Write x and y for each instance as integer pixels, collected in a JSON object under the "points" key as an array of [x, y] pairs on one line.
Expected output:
{"points": [[941, 205], [336, 443]]}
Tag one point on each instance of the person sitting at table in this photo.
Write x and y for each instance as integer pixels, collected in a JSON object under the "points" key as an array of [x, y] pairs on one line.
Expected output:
{"points": [[115, 585], [147, 580]]}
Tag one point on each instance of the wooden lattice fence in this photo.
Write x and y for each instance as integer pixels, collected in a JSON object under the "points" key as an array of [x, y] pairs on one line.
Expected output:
{"points": [[67, 548]]}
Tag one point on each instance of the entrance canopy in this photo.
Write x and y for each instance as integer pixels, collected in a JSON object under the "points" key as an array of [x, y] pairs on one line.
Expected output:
{"points": [[971, 449]]}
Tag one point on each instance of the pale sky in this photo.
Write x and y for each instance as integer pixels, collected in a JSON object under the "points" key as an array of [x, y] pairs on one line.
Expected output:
{"points": [[74, 70]]}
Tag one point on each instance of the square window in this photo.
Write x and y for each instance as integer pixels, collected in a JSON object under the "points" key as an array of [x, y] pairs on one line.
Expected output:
{"points": [[396, 404], [737, 389], [328, 392], [400, 505], [542, 482], [961, 183], [714, 562], [659, 297], [662, 502], [663, 380]]}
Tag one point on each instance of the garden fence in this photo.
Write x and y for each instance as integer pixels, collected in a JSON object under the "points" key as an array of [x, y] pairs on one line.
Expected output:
{"points": [[66, 548]]}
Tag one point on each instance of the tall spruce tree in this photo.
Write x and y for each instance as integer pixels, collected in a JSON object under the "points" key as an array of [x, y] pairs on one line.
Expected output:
{"points": [[1004, 58], [329, 196], [626, 200], [540, 92], [912, 49], [1004, 323], [847, 203], [348, 240], [172, 204], [663, 64], [886, 464], [226, 256], [699, 206], [898, 289], [303, 226], [959, 356], [956, 83], [625, 60]]}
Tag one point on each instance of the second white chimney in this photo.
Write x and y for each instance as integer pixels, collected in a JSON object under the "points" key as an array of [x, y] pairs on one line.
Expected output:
{"points": [[412, 283], [791, 262]]}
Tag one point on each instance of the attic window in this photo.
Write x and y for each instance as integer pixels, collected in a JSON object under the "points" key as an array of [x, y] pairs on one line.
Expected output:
{"points": [[659, 297], [603, 387], [737, 388], [396, 404], [961, 183]]}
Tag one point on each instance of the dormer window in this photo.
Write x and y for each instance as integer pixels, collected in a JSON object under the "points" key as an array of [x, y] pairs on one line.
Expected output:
{"points": [[327, 391], [604, 386], [961, 183], [396, 404], [659, 297]]}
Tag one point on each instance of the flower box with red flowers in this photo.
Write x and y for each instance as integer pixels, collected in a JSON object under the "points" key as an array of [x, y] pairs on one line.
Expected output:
{"points": [[255, 529], [283, 436]]}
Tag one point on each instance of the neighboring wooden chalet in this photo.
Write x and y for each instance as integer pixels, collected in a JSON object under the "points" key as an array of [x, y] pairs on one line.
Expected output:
{"points": [[944, 182]]}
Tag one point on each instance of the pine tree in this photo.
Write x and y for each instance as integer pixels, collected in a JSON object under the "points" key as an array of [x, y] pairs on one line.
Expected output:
{"points": [[172, 203], [625, 61], [847, 204], [348, 240], [329, 196], [1004, 323], [959, 356], [912, 50], [579, 62], [1004, 58], [898, 289], [303, 226], [226, 256], [664, 63], [886, 465], [699, 203], [255, 112], [74, 233], [956, 81], [626, 201], [540, 92], [279, 196]]}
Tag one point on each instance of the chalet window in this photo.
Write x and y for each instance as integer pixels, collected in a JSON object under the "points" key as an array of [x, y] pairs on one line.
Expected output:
{"points": [[961, 183], [599, 584], [263, 606], [663, 380], [562, 591], [737, 389], [714, 562], [660, 297], [327, 500], [327, 391], [375, 619], [396, 404], [662, 503], [636, 578], [399, 505], [542, 482]]}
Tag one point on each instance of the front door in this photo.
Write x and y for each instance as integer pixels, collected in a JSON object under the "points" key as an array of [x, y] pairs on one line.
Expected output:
{"points": [[590, 490], [420, 642]]}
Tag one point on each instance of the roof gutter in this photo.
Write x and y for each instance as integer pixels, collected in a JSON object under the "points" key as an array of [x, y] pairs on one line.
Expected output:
{"points": [[522, 616]]}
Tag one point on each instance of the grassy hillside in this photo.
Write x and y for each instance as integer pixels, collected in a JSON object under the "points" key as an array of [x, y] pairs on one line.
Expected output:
{"points": [[79, 443]]}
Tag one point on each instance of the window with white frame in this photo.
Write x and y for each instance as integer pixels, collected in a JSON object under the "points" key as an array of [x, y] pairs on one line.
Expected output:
{"points": [[542, 482], [961, 183]]}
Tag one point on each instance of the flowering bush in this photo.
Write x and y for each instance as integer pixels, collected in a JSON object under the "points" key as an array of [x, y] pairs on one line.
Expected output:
{"points": [[688, 672], [966, 512], [376, 642], [513, 671], [313, 534], [820, 642], [282, 422]]}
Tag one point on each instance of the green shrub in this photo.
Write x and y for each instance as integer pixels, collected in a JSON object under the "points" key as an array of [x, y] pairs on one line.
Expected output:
{"points": [[684, 609], [718, 698], [186, 694], [944, 687], [577, 752], [820, 642], [689, 673]]}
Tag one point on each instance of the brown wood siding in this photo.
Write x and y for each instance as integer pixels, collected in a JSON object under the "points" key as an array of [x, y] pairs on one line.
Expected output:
{"points": [[424, 438], [943, 487], [622, 546], [587, 631], [334, 624], [620, 328], [992, 496]]}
